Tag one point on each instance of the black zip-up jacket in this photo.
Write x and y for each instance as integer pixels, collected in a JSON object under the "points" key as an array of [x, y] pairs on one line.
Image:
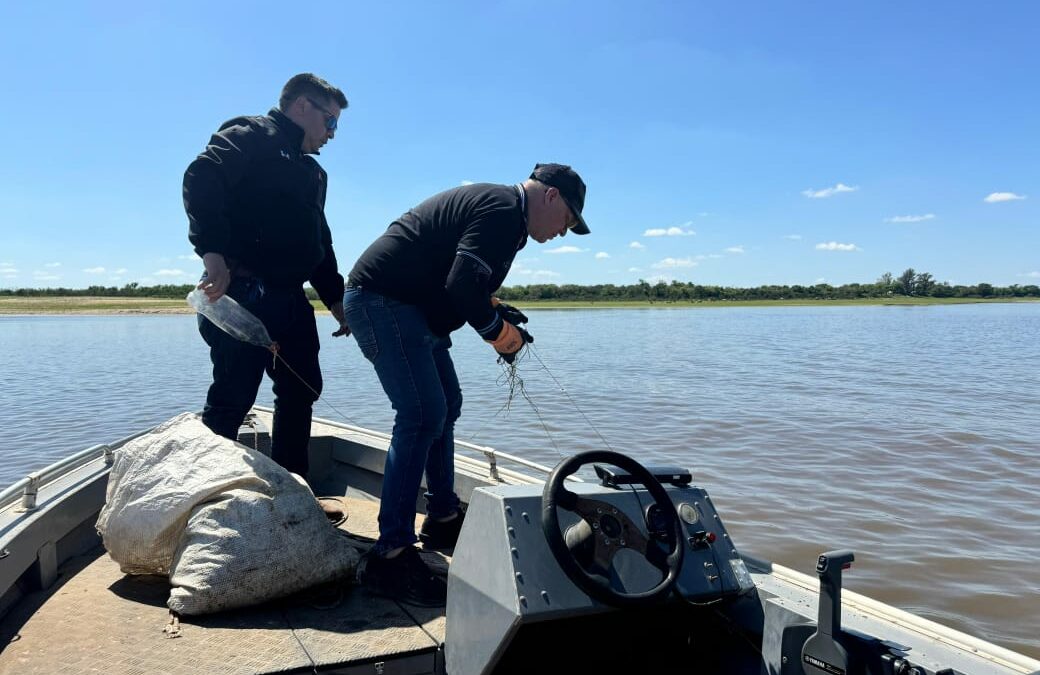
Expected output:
{"points": [[255, 198], [448, 255]]}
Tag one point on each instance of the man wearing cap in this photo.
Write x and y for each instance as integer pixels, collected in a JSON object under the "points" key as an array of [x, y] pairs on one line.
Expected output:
{"points": [[434, 269]]}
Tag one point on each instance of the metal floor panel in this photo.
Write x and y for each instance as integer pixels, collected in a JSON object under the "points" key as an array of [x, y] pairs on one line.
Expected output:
{"points": [[96, 619]]}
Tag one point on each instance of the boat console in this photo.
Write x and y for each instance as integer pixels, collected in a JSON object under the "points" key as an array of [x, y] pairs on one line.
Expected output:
{"points": [[632, 557]]}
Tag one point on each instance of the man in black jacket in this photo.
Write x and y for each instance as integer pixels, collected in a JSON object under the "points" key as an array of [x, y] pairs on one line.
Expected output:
{"points": [[434, 269], [255, 201]]}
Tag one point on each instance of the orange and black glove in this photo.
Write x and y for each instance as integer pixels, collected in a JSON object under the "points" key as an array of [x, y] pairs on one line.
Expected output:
{"points": [[511, 339]]}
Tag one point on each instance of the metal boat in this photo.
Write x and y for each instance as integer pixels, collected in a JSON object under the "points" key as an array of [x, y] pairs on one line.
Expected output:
{"points": [[629, 570]]}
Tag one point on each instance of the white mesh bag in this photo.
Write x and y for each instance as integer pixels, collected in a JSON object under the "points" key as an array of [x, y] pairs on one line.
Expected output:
{"points": [[228, 526]]}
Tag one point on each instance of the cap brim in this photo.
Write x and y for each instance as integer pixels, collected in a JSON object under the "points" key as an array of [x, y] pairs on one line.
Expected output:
{"points": [[580, 227]]}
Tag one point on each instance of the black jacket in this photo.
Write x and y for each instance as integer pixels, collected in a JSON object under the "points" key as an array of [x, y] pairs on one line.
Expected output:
{"points": [[254, 197], [448, 254]]}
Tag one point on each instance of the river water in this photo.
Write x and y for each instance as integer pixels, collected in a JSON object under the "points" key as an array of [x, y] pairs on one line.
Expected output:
{"points": [[908, 434]]}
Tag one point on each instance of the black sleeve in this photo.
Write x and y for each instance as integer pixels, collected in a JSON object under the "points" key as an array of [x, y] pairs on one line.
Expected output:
{"points": [[207, 182], [326, 279], [485, 246]]}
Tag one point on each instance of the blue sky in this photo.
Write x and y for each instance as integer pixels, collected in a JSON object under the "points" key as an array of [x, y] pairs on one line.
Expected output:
{"points": [[734, 143]]}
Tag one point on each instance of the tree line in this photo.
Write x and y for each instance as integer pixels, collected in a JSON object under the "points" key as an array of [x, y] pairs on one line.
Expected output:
{"points": [[910, 284]]}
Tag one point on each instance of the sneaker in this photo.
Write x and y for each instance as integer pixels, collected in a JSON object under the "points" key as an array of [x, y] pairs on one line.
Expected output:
{"points": [[404, 578], [439, 535]]}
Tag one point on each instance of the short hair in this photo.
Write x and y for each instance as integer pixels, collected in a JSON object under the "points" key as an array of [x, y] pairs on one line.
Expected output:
{"points": [[309, 84]]}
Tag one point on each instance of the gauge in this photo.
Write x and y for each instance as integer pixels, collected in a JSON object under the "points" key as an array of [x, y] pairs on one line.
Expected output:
{"points": [[688, 513]]}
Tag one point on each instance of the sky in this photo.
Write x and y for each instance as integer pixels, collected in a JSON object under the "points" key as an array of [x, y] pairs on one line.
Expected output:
{"points": [[723, 143]]}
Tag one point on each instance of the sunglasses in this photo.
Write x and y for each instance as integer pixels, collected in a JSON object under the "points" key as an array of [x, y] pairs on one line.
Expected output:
{"points": [[330, 120], [571, 220]]}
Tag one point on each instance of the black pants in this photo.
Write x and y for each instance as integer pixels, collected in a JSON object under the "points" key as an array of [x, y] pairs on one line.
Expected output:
{"points": [[238, 369]]}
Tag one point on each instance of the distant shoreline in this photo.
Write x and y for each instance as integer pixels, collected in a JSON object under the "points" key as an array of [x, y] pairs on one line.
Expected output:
{"points": [[85, 305]]}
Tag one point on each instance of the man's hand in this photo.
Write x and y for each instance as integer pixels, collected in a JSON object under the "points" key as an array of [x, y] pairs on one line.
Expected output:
{"points": [[337, 312], [511, 339], [508, 312], [218, 277]]}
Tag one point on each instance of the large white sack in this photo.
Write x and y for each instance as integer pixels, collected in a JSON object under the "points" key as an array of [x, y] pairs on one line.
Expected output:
{"points": [[245, 547], [158, 478], [229, 526]]}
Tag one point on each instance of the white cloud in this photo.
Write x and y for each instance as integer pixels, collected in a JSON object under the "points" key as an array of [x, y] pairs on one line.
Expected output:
{"points": [[735, 249], [54, 264], [95, 270], [45, 276], [121, 270], [994, 197], [635, 269], [540, 274], [519, 268], [820, 280], [670, 232], [795, 237], [1031, 275], [829, 192], [671, 263], [835, 246], [190, 256], [713, 256], [910, 219], [567, 249], [170, 273], [636, 244], [602, 255], [466, 182]]}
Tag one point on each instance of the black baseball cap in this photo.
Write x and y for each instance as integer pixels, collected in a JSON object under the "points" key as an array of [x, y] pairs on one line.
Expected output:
{"points": [[571, 187]]}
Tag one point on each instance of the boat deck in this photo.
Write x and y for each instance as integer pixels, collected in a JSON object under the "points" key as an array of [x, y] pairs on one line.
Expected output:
{"points": [[96, 619]]}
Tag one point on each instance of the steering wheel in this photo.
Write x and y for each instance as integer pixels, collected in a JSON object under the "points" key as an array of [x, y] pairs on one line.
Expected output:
{"points": [[612, 530]]}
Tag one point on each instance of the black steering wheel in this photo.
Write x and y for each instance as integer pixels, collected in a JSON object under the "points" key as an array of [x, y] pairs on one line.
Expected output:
{"points": [[612, 531]]}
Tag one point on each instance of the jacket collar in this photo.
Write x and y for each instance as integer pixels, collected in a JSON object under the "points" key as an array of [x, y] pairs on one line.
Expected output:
{"points": [[291, 129]]}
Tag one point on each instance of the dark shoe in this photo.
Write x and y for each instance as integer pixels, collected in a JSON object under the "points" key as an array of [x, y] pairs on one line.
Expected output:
{"points": [[439, 535], [404, 578]]}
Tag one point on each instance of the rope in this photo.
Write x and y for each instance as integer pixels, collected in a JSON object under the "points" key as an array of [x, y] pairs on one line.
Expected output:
{"points": [[509, 375], [516, 385], [317, 395], [569, 398]]}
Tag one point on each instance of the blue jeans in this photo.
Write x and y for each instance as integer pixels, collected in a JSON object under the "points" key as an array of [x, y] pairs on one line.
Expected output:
{"points": [[238, 369], [417, 374]]}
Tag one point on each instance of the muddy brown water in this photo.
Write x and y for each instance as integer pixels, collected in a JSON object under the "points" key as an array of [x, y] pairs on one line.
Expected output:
{"points": [[908, 434]]}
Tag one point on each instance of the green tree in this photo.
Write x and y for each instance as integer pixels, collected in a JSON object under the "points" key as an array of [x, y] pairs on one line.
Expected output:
{"points": [[905, 282], [923, 283]]}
